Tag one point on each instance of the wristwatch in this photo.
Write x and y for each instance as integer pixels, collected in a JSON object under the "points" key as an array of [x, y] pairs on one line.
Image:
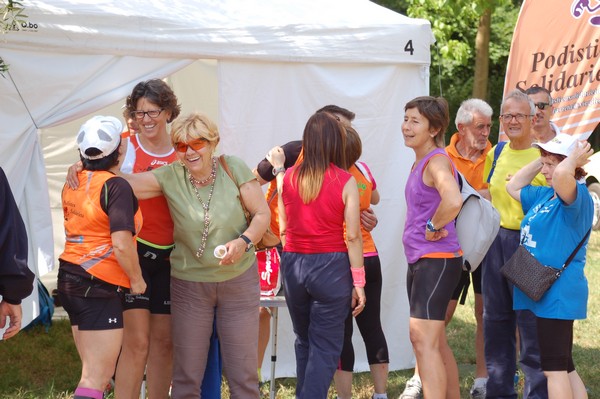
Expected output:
{"points": [[430, 227], [248, 242], [279, 170]]}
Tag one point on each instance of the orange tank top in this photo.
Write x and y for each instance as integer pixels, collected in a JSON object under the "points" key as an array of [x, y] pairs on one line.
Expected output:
{"points": [[87, 228], [365, 188], [158, 226]]}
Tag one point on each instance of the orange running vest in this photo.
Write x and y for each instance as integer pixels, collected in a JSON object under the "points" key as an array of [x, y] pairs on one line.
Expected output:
{"points": [[87, 228]]}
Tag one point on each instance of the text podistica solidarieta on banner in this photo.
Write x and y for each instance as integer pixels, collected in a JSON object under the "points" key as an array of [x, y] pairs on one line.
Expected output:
{"points": [[566, 61]]}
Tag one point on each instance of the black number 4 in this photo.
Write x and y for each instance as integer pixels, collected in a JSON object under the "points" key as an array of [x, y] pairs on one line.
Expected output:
{"points": [[409, 47]]}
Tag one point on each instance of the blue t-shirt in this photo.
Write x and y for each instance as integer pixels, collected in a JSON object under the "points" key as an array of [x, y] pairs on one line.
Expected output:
{"points": [[551, 230]]}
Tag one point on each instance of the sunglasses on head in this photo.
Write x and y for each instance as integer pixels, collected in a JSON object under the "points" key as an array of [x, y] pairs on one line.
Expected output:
{"points": [[542, 106], [195, 145]]}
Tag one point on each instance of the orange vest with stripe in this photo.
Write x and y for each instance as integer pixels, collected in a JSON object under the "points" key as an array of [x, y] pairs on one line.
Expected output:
{"points": [[87, 228]]}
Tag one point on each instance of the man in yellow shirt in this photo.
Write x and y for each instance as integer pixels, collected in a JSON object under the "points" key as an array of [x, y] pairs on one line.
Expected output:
{"points": [[499, 319]]}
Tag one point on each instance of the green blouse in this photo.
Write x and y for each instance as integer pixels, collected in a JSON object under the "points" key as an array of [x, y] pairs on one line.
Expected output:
{"points": [[227, 221]]}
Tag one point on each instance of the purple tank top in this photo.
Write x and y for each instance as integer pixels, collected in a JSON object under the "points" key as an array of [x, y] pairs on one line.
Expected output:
{"points": [[421, 203]]}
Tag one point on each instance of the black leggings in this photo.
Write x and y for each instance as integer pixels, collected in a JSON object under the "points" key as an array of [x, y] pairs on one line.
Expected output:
{"points": [[555, 338], [368, 321]]}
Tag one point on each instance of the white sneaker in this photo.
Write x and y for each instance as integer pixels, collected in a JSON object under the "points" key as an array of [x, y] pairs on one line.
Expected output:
{"points": [[413, 389], [478, 392]]}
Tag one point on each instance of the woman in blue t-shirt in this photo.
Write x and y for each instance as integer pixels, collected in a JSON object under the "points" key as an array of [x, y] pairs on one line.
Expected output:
{"points": [[557, 218]]}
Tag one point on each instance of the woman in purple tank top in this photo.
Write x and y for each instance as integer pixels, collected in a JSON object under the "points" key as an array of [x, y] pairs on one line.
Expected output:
{"points": [[430, 243]]}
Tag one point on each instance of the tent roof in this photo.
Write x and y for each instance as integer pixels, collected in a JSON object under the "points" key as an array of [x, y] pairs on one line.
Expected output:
{"points": [[356, 31]]}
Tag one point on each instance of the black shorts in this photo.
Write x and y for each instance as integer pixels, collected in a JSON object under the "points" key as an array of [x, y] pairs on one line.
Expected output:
{"points": [[465, 281], [429, 283], [89, 313], [91, 304], [156, 270], [555, 338]]}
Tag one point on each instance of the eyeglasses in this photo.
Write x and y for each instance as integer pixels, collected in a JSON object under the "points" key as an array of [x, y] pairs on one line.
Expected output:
{"points": [[506, 118], [140, 114], [542, 106], [195, 145]]}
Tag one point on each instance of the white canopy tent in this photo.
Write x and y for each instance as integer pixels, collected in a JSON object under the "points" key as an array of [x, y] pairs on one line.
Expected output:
{"points": [[260, 68]]}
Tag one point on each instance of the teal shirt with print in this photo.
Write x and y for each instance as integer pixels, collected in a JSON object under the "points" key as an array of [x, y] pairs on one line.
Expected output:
{"points": [[227, 221], [551, 230]]}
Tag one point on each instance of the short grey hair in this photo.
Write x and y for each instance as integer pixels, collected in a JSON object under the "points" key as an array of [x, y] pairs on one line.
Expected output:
{"points": [[468, 108], [518, 95]]}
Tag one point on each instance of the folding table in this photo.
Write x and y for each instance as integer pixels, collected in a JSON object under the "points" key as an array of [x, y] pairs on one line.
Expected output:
{"points": [[274, 302]]}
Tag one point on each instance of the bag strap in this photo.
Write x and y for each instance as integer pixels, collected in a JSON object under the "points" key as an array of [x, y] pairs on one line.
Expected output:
{"points": [[232, 177], [362, 169], [497, 152], [562, 269], [273, 194]]}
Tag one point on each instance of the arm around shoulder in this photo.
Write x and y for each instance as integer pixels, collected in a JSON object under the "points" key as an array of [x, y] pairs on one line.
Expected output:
{"points": [[145, 185]]}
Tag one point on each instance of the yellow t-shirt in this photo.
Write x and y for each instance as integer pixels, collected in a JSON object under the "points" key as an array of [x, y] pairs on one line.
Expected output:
{"points": [[508, 163]]}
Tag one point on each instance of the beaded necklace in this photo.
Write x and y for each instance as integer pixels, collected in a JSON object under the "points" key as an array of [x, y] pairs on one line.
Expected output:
{"points": [[194, 182]]}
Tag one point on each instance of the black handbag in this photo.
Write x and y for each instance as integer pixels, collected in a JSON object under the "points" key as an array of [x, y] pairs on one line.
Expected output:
{"points": [[530, 276]]}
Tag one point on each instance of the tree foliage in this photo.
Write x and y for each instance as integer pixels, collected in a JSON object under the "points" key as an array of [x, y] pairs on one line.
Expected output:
{"points": [[12, 13], [454, 24]]}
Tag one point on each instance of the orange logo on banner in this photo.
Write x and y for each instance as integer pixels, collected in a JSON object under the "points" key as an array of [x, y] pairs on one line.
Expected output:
{"points": [[556, 44]]}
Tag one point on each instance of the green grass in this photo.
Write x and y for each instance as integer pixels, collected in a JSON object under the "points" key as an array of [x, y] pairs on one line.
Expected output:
{"points": [[36, 364]]}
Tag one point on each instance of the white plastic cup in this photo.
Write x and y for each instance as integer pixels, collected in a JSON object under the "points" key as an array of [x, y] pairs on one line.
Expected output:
{"points": [[220, 251]]}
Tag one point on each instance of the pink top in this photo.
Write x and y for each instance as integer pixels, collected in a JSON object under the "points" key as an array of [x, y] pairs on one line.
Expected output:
{"points": [[317, 227]]}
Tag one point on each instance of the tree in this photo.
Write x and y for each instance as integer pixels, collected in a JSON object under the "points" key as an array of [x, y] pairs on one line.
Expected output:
{"points": [[482, 55], [12, 16], [469, 34]]}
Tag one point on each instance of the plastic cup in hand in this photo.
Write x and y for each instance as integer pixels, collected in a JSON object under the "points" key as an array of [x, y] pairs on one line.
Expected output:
{"points": [[220, 251]]}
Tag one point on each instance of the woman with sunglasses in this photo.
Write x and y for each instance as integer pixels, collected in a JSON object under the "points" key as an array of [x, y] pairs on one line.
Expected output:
{"points": [[206, 210], [147, 346]]}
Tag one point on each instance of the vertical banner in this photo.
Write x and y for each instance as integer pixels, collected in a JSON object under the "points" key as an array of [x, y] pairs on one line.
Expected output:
{"points": [[556, 44]]}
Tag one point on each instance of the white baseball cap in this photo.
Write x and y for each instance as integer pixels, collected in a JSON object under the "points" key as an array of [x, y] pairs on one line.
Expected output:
{"points": [[100, 132], [561, 144]]}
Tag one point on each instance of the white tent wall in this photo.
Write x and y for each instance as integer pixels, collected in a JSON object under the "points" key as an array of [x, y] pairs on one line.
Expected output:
{"points": [[273, 108], [277, 64], [39, 92]]}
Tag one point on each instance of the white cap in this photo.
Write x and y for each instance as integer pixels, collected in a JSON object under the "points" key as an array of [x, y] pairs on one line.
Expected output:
{"points": [[100, 132], [561, 144]]}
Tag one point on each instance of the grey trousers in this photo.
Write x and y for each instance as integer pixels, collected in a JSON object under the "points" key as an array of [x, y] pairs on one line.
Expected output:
{"points": [[193, 307]]}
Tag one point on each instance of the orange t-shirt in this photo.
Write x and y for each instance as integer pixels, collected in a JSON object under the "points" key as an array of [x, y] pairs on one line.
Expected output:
{"points": [[472, 171]]}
